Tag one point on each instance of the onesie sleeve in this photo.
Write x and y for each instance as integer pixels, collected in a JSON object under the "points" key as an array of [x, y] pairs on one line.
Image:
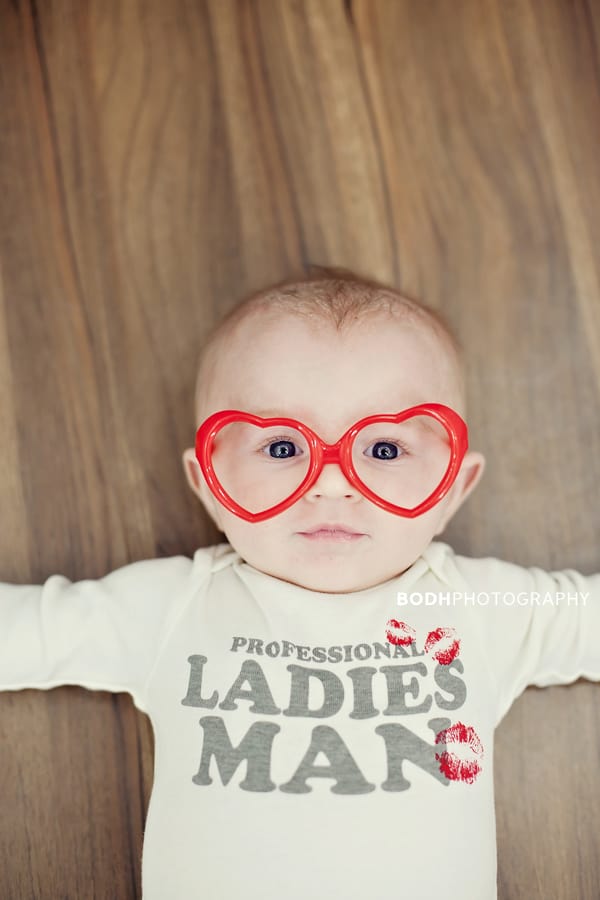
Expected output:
{"points": [[100, 634], [536, 627]]}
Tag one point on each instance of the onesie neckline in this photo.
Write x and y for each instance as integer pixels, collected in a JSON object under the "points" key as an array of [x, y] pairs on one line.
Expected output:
{"points": [[432, 558]]}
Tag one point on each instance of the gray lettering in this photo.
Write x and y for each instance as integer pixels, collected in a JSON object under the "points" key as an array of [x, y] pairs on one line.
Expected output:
{"points": [[397, 690], [258, 692], [451, 684], [342, 768], [362, 682], [402, 744], [194, 691], [255, 645], [255, 748], [333, 693]]}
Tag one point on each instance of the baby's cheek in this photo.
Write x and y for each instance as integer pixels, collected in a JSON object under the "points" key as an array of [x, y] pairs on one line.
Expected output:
{"points": [[251, 540], [412, 536]]}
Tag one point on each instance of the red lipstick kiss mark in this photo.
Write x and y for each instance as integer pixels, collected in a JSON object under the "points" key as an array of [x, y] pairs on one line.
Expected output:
{"points": [[446, 653], [451, 765], [400, 633]]}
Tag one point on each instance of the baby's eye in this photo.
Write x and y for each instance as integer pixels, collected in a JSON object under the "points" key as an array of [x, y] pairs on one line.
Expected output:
{"points": [[385, 450], [280, 448]]}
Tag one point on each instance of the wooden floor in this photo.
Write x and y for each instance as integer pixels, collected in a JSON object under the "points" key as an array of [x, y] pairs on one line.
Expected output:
{"points": [[159, 159]]}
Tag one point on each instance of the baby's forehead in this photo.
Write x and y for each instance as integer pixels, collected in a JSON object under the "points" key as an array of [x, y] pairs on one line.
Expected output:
{"points": [[280, 354], [270, 330]]}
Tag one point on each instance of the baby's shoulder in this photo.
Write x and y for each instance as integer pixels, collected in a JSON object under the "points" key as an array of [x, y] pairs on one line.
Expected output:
{"points": [[458, 569]]}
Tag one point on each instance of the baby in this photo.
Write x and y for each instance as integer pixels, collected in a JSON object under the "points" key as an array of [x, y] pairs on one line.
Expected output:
{"points": [[324, 686]]}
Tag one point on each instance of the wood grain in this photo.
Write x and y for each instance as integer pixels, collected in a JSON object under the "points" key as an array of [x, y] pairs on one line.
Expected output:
{"points": [[159, 160]]}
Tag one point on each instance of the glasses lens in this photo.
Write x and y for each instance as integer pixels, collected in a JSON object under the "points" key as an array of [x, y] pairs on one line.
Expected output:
{"points": [[402, 463], [260, 467]]}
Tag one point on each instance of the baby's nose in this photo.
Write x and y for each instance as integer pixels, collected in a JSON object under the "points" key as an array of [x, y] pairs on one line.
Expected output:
{"points": [[332, 483]]}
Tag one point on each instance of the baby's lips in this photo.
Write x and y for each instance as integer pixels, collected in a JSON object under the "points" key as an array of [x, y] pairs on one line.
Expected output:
{"points": [[446, 645], [399, 633]]}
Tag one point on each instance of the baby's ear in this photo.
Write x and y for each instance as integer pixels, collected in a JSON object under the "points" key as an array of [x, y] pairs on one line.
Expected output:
{"points": [[468, 477], [197, 483]]}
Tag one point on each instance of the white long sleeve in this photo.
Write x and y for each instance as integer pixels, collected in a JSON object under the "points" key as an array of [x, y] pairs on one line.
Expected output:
{"points": [[535, 627], [101, 634]]}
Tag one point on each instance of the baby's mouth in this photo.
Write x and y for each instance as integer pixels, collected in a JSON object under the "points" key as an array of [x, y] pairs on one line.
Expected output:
{"points": [[328, 531]]}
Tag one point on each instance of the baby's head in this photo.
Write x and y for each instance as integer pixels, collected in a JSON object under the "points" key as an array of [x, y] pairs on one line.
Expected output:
{"points": [[329, 351]]}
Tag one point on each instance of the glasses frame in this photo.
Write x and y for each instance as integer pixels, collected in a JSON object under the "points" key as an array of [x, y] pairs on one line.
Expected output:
{"points": [[322, 454]]}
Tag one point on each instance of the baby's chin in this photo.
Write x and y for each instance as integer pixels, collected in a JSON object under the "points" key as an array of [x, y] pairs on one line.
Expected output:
{"points": [[328, 576]]}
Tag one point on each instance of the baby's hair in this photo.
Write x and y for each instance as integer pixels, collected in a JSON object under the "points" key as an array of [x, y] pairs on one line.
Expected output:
{"points": [[332, 295]]}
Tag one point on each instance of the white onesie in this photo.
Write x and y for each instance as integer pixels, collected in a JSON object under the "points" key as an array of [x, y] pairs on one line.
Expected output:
{"points": [[309, 744]]}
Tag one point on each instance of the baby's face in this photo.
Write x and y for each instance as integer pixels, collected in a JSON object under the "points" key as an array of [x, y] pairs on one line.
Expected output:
{"points": [[284, 366]]}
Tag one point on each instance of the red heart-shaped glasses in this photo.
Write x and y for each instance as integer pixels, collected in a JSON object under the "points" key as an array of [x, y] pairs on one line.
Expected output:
{"points": [[340, 453]]}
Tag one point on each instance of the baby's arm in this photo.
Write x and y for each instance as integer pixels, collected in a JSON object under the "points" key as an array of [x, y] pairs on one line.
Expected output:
{"points": [[102, 635]]}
